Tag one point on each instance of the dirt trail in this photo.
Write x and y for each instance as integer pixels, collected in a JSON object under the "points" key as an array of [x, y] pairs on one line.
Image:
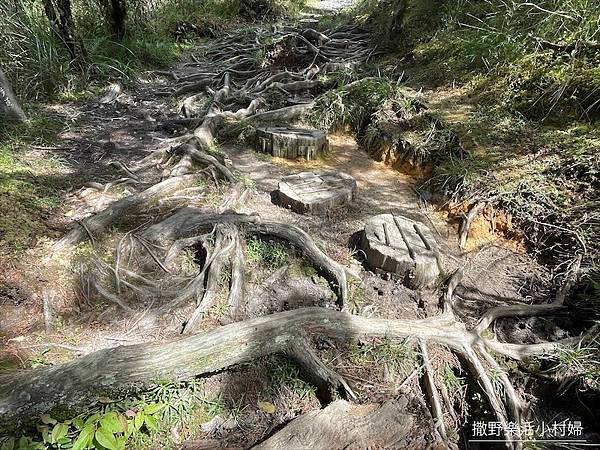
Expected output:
{"points": [[139, 123], [381, 189], [494, 275]]}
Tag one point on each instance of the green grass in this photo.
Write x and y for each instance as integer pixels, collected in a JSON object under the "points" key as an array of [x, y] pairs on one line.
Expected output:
{"points": [[39, 66], [577, 364], [285, 373], [494, 46], [30, 185], [398, 357], [456, 387], [267, 254]]}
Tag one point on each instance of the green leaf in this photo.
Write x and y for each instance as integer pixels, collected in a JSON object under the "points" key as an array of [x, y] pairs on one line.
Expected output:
{"points": [[121, 442], [85, 438], [139, 420], [153, 408], [151, 423], [267, 407], [106, 439], [64, 442], [60, 430], [92, 419], [112, 422], [78, 423]]}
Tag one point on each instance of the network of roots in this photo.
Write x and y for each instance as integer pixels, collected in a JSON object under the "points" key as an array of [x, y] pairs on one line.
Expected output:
{"points": [[172, 243]]}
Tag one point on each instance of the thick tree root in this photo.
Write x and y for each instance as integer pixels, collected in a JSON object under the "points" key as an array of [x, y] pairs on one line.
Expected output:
{"points": [[432, 393], [128, 369], [96, 225]]}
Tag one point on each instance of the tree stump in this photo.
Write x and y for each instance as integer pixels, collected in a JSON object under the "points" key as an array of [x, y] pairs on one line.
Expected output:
{"points": [[291, 143], [403, 247], [313, 192], [342, 425]]}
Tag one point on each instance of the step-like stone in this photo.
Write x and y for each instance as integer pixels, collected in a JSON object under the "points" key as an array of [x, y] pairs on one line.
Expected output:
{"points": [[291, 143], [315, 192], [402, 246]]}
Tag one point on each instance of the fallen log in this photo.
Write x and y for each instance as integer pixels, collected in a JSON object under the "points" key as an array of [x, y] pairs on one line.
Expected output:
{"points": [[124, 370]]}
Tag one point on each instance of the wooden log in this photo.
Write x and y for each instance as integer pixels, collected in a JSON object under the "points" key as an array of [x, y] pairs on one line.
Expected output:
{"points": [[402, 246], [124, 370], [291, 143], [342, 425], [314, 192]]}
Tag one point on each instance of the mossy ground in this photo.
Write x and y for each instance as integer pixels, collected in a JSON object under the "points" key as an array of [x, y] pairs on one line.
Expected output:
{"points": [[32, 179]]}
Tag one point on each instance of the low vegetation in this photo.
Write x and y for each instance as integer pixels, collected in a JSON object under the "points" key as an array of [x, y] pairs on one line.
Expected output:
{"points": [[508, 117], [31, 179], [507, 122], [132, 423]]}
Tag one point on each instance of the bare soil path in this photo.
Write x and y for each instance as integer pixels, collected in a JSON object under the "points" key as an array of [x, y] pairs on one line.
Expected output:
{"points": [[169, 250]]}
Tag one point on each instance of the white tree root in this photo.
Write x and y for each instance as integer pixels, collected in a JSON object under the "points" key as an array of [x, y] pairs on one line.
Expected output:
{"points": [[234, 78], [433, 394], [136, 367]]}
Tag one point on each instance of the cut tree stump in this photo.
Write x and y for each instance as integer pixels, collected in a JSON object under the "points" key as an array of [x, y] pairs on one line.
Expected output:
{"points": [[314, 192], [401, 246], [291, 143]]}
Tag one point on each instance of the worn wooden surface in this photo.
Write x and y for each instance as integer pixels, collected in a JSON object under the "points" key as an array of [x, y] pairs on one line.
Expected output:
{"points": [[315, 192], [343, 425], [402, 246], [291, 143]]}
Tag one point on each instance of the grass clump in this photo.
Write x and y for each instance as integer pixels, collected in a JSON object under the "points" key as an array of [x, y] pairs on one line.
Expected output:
{"points": [[271, 255], [390, 121], [577, 365], [456, 386], [397, 357], [285, 373]]}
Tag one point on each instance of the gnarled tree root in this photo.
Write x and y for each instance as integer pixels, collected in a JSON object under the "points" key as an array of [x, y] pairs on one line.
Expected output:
{"points": [[128, 369]]}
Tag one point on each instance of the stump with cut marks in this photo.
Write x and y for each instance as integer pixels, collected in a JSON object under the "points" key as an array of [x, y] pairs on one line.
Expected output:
{"points": [[402, 246], [315, 192], [291, 143]]}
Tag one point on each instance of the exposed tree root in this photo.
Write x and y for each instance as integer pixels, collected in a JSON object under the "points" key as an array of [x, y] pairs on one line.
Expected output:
{"points": [[465, 226], [148, 259], [432, 393], [120, 210], [136, 367]]}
